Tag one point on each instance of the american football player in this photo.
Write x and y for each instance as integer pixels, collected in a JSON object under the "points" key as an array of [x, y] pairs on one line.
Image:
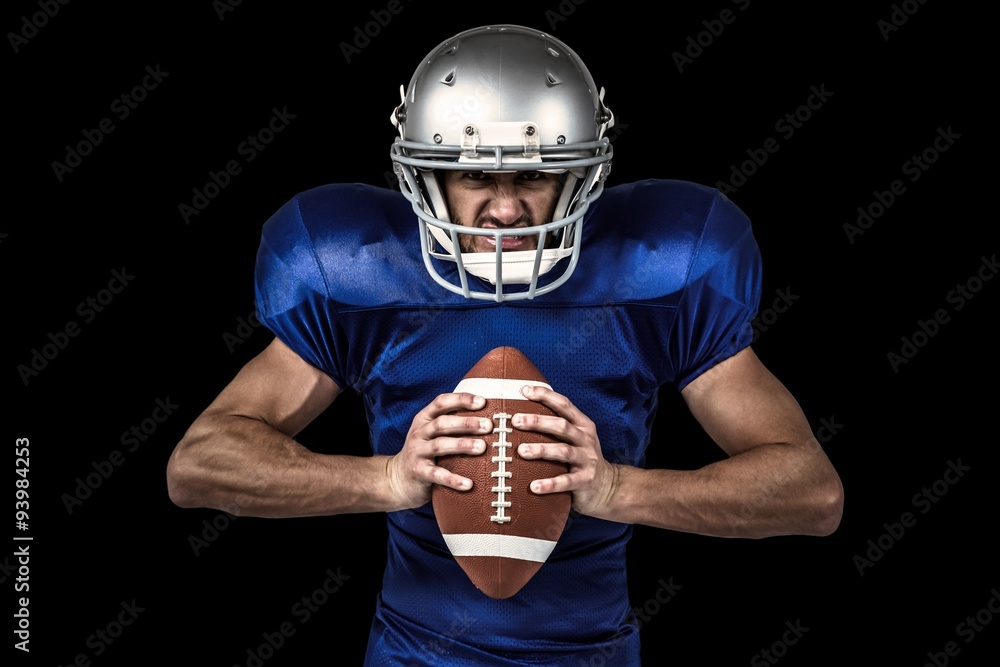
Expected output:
{"points": [[510, 233]]}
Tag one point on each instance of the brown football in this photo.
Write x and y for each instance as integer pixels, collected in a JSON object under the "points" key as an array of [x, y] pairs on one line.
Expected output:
{"points": [[500, 532]]}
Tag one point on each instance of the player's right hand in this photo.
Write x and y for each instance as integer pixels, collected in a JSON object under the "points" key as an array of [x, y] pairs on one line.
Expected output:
{"points": [[436, 431]]}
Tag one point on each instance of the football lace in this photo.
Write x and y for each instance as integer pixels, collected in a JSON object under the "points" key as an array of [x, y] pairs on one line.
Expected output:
{"points": [[501, 474]]}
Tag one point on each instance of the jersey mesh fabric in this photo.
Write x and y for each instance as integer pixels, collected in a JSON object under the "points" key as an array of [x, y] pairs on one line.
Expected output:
{"points": [[667, 285]]}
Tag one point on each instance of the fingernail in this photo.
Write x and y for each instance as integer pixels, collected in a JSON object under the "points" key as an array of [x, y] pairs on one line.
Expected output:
{"points": [[527, 390], [479, 446], [478, 402], [536, 487], [486, 424]]}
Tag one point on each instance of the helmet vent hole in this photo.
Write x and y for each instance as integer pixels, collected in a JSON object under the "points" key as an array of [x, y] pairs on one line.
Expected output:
{"points": [[449, 78], [552, 52], [551, 79]]}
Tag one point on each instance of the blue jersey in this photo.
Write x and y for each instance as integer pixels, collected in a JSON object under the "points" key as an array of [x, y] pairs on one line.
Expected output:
{"points": [[667, 285]]}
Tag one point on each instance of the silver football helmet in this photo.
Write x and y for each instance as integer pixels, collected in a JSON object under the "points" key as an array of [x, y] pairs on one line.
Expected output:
{"points": [[501, 98]]}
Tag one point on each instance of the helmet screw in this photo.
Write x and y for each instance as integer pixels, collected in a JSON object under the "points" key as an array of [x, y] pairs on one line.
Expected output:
{"points": [[438, 139], [469, 130], [530, 130], [560, 139]]}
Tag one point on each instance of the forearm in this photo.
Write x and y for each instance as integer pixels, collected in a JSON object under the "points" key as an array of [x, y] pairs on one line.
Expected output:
{"points": [[242, 465], [766, 491]]}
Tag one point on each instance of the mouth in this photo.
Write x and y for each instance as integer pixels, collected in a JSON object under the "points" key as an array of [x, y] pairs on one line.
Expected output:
{"points": [[489, 243], [508, 243]]}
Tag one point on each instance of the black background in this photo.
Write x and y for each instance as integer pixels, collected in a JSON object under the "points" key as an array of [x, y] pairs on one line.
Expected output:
{"points": [[169, 334]]}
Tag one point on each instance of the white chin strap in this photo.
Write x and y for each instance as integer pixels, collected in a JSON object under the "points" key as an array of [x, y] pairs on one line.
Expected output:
{"points": [[518, 266]]}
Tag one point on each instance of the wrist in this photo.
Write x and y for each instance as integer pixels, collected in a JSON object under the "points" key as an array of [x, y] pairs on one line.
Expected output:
{"points": [[391, 492], [608, 503]]}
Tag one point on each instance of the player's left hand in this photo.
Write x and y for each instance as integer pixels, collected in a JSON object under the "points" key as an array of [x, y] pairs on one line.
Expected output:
{"points": [[591, 478]]}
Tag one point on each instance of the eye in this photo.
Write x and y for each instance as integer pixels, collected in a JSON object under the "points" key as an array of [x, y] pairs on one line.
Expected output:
{"points": [[474, 176], [531, 176]]}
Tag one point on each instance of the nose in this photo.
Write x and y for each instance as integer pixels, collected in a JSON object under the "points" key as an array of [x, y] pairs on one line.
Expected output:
{"points": [[506, 206]]}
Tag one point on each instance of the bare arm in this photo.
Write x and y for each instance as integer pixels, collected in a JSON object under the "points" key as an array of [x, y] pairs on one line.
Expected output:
{"points": [[240, 455], [776, 481]]}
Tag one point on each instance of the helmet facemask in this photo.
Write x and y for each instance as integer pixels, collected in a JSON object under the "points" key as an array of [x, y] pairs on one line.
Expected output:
{"points": [[502, 99]]}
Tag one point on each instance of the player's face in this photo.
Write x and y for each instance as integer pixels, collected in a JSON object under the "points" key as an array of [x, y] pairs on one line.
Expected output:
{"points": [[500, 201]]}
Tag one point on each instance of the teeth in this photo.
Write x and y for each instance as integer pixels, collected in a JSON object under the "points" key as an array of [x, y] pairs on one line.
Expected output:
{"points": [[510, 242]]}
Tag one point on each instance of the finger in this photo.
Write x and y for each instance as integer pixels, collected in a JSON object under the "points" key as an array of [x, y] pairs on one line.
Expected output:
{"points": [[444, 477], [449, 479], [554, 426], [554, 401], [549, 451], [557, 484], [454, 425], [451, 402], [450, 446]]}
